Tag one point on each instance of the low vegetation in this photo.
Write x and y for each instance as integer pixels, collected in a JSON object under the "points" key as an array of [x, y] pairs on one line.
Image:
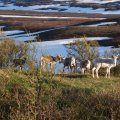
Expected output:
{"points": [[26, 96]]}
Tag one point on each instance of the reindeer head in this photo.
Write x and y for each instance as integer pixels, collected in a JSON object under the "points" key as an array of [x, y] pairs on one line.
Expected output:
{"points": [[115, 56], [59, 58]]}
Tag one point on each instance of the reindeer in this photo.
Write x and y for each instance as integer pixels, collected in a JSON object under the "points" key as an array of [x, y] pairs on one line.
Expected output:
{"points": [[107, 63], [19, 62], [69, 62], [47, 59], [85, 65]]}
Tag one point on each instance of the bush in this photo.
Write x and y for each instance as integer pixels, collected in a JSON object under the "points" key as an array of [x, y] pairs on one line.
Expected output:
{"points": [[114, 71], [9, 50], [17, 97]]}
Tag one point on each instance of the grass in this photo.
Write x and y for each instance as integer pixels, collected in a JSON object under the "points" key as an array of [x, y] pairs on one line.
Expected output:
{"points": [[89, 82], [26, 96]]}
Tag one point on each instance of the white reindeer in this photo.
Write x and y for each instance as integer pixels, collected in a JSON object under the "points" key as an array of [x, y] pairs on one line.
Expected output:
{"points": [[107, 63], [85, 65]]}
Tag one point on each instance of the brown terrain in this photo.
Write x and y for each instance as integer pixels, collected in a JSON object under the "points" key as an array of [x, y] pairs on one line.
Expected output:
{"points": [[72, 29], [37, 24]]}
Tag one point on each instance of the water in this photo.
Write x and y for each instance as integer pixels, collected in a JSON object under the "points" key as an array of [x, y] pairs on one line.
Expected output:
{"points": [[57, 8], [99, 24], [12, 32]]}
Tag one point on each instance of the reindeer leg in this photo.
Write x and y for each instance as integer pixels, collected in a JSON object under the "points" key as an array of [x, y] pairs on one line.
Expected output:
{"points": [[70, 69], [93, 72], [64, 68], [41, 65], [97, 72], [50, 67], [75, 69], [20, 67], [46, 66], [53, 68], [83, 71], [107, 72]]}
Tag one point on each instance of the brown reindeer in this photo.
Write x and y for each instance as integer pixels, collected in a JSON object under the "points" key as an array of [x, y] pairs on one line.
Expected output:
{"points": [[49, 60]]}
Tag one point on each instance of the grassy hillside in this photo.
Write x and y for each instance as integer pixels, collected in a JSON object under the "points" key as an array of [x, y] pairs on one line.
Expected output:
{"points": [[26, 95]]}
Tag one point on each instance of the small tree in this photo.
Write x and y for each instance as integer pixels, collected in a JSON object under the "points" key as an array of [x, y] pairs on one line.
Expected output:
{"points": [[83, 50], [9, 50]]}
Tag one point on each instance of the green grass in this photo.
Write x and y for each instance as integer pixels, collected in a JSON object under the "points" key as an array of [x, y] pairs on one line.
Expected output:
{"points": [[100, 84], [29, 96]]}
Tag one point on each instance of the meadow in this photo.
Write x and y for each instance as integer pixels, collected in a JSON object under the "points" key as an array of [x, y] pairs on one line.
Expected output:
{"points": [[35, 95]]}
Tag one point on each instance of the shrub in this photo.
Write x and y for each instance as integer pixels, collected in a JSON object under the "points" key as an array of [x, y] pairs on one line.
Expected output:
{"points": [[10, 50], [83, 50], [114, 71]]}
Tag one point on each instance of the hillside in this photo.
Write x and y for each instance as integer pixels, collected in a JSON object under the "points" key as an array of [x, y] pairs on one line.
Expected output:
{"points": [[30, 96]]}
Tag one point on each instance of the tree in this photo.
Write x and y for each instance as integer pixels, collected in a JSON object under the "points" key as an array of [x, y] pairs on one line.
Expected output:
{"points": [[9, 50], [82, 49]]}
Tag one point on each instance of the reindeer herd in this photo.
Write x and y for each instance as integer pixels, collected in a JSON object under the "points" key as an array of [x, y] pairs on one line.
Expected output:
{"points": [[72, 64]]}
